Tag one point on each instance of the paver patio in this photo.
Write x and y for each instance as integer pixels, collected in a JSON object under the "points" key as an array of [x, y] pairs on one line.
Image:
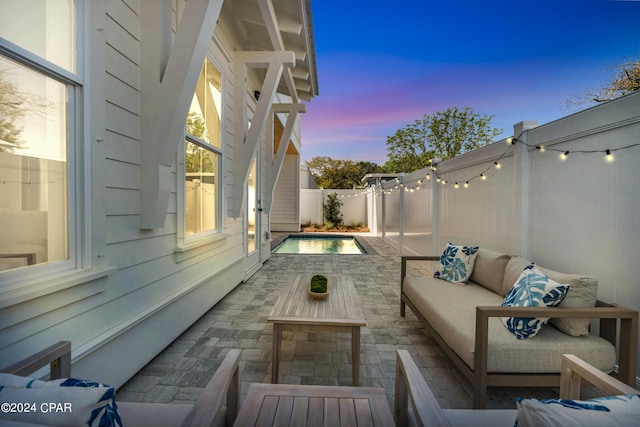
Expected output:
{"points": [[181, 371]]}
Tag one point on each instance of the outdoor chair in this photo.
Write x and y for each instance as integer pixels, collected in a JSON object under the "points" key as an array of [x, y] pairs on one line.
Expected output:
{"points": [[216, 406], [415, 404]]}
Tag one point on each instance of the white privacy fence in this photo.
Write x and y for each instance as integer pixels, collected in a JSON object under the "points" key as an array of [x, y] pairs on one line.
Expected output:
{"points": [[353, 209], [577, 215]]}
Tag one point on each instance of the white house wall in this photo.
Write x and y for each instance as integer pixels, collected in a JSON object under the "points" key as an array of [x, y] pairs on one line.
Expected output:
{"points": [[139, 290], [286, 197]]}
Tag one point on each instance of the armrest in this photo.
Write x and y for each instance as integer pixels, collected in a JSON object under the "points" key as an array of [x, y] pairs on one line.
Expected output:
{"points": [[411, 388], [223, 388], [628, 342], [57, 356], [574, 369], [403, 263]]}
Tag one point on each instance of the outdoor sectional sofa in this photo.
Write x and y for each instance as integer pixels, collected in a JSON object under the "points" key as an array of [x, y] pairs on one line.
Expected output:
{"points": [[465, 321]]}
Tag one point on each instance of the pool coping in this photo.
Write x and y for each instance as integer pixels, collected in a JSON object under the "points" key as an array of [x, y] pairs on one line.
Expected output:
{"points": [[368, 249]]}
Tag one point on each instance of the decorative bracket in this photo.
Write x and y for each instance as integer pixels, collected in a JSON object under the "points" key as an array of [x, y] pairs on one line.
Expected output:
{"points": [[169, 75], [247, 138], [292, 111]]}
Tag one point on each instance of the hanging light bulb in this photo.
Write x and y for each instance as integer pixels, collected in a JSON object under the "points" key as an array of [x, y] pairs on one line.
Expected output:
{"points": [[456, 185], [510, 140], [498, 166], [609, 156], [466, 184], [564, 155], [483, 177], [540, 147]]}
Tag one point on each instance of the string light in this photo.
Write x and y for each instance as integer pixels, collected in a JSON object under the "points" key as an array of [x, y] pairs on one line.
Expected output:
{"points": [[608, 156]]}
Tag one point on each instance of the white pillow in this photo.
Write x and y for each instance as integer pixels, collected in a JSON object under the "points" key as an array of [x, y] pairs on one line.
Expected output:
{"points": [[608, 411], [456, 263], [532, 289], [65, 402]]}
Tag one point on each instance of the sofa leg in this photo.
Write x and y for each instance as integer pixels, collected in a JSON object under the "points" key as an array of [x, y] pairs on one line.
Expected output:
{"points": [[403, 308], [479, 396]]}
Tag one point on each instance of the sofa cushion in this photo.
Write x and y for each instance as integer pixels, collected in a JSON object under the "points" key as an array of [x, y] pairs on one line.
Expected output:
{"points": [[512, 271], [456, 263], [489, 268], [602, 411], [65, 402], [584, 291], [450, 310], [532, 289], [153, 414]]}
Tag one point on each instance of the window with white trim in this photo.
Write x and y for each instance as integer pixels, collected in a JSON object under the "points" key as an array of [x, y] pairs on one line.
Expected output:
{"points": [[38, 90], [202, 156]]}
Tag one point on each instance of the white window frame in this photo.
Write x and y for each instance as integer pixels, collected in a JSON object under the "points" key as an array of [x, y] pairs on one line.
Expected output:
{"points": [[14, 281], [186, 242]]}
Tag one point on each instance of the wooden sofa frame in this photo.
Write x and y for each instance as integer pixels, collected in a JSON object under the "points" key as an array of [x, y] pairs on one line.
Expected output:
{"points": [[607, 314], [413, 392], [221, 396]]}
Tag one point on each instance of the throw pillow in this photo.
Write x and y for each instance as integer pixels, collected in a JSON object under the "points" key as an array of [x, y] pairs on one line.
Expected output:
{"points": [[532, 289], [65, 402], [603, 411], [456, 263]]}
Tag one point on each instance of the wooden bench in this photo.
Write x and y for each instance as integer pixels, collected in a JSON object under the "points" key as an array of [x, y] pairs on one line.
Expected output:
{"points": [[216, 406]]}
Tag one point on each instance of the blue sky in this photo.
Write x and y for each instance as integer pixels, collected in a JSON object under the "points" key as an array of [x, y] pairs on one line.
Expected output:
{"points": [[382, 65]]}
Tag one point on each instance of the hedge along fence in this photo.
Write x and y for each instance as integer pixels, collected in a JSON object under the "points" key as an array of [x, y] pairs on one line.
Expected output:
{"points": [[354, 205]]}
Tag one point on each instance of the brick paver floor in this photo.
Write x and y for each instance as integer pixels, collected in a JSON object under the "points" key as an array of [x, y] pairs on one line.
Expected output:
{"points": [[179, 373]]}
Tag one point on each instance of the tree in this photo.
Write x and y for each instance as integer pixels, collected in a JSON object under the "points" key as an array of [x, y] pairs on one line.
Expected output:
{"points": [[331, 210], [197, 158], [444, 134], [408, 149], [339, 174], [15, 105], [625, 79]]}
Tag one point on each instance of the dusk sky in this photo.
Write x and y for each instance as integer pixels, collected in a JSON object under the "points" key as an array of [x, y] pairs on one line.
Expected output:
{"points": [[382, 64]]}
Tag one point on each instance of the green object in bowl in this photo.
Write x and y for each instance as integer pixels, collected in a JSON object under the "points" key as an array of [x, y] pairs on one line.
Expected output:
{"points": [[318, 284]]}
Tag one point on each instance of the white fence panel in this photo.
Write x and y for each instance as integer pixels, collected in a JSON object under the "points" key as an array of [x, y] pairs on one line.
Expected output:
{"points": [[353, 209]]}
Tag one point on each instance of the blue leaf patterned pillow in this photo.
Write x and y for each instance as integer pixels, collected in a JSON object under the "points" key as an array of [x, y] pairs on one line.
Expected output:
{"points": [[456, 263], [532, 289], [65, 402], [603, 411]]}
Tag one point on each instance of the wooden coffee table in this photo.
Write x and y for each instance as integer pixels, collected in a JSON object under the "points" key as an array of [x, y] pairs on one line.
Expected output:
{"points": [[276, 405], [341, 311]]}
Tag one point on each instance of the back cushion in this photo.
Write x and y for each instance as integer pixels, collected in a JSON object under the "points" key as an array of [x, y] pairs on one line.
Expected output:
{"points": [[583, 291], [512, 272], [489, 270]]}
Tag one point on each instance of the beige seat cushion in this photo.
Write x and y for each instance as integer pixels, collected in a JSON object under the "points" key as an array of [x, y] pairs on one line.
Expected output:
{"points": [[484, 417], [135, 414], [451, 310]]}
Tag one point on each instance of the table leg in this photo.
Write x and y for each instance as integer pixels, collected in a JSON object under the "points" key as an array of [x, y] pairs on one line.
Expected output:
{"points": [[275, 353], [355, 354]]}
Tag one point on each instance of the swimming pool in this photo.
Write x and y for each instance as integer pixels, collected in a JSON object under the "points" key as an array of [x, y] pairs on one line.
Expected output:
{"points": [[319, 245]]}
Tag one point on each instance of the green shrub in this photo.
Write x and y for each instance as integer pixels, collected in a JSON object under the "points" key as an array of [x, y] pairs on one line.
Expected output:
{"points": [[331, 209]]}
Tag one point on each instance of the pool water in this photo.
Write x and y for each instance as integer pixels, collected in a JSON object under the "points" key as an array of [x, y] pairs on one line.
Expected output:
{"points": [[319, 245]]}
